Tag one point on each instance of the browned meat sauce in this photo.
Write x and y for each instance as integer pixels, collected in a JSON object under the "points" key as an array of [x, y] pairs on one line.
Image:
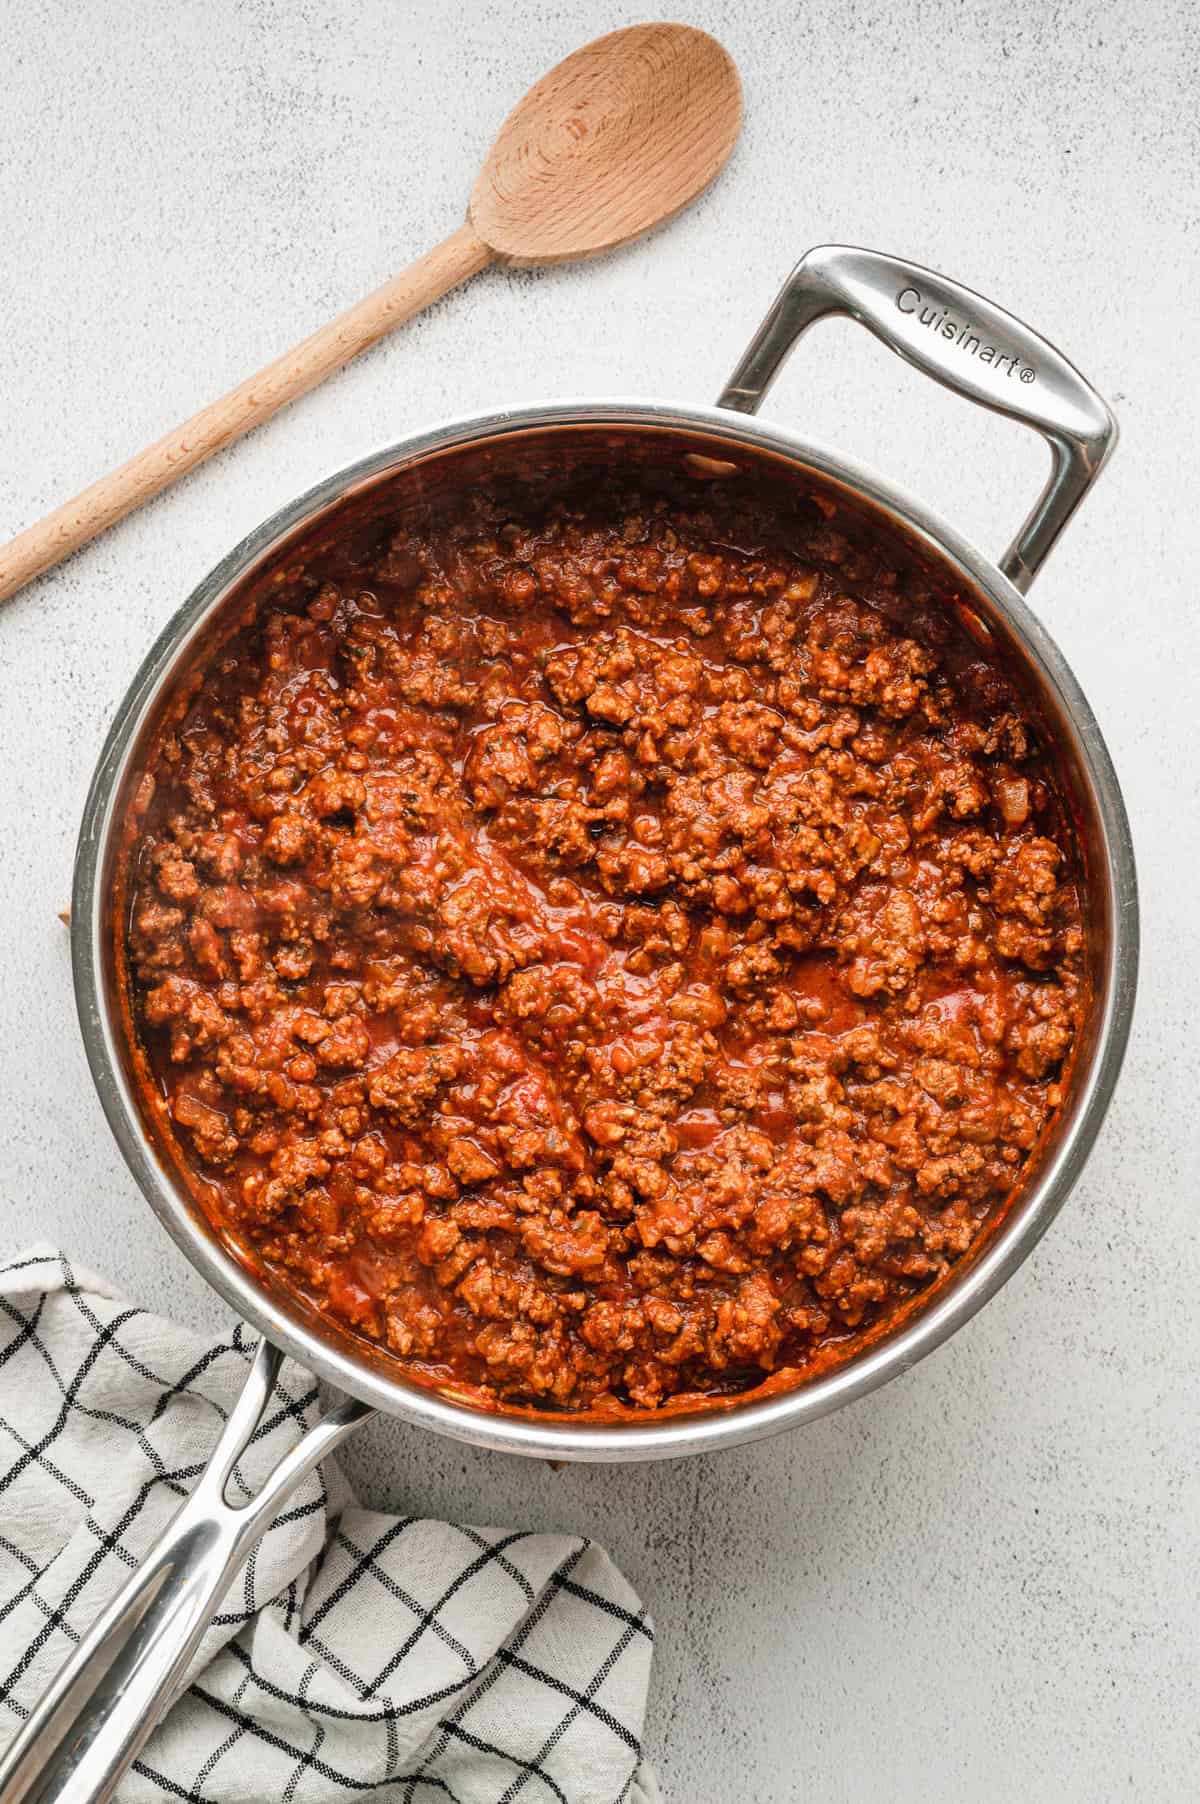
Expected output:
{"points": [[606, 955]]}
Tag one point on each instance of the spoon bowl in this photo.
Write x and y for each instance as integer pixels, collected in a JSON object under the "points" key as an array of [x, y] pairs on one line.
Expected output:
{"points": [[612, 141]]}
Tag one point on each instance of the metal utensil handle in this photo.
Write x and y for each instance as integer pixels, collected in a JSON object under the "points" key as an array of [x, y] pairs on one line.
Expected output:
{"points": [[101, 1707], [961, 340]]}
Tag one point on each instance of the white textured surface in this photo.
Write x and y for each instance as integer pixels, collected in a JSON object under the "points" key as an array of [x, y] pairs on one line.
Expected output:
{"points": [[979, 1584]]}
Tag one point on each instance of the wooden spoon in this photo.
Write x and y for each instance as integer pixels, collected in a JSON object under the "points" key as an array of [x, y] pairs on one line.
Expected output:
{"points": [[614, 140]]}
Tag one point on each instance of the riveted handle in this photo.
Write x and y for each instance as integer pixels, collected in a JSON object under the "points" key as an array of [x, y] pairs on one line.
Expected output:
{"points": [[966, 343], [100, 1708]]}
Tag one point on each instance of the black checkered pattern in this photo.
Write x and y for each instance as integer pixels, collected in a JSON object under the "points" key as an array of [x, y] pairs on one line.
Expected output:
{"points": [[356, 1655]]}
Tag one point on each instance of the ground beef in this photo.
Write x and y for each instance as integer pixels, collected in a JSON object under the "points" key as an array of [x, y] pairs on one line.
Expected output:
{"points": [[607, 955]]}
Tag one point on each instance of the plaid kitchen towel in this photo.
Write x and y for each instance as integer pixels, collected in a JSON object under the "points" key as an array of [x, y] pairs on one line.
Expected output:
{"points": [[356, 1655]]}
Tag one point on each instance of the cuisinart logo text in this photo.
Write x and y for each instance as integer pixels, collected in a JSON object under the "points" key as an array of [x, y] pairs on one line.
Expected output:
{"points": [[964, 334]]}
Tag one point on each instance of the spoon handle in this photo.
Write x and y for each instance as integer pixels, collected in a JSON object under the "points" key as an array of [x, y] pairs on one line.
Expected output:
{"points": [[109, 499]]}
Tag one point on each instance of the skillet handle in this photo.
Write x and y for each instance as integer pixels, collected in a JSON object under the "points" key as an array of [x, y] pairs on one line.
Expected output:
{"points": [[963, 341], [101, 1707]]}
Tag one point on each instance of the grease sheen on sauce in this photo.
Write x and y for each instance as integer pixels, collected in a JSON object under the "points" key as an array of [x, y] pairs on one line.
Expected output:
{"points": [[608, 955]]}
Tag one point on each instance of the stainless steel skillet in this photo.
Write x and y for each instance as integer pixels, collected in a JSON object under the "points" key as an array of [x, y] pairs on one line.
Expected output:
{"points": [[106, 1700]]}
